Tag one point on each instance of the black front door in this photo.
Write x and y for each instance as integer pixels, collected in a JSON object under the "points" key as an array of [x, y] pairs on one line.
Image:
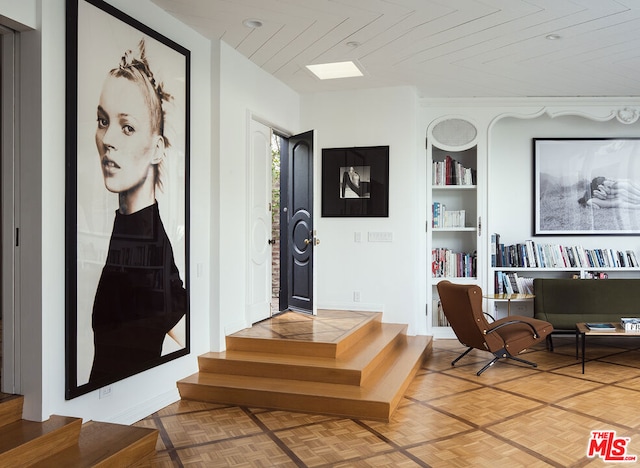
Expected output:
{"points": [[297, 239]]}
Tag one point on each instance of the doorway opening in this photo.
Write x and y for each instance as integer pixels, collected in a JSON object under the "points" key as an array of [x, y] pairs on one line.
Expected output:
{"points": [[276, 147], [292, 237]]}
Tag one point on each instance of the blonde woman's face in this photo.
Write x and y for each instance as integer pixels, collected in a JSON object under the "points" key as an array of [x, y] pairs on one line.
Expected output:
{"points": [[127, 147]]}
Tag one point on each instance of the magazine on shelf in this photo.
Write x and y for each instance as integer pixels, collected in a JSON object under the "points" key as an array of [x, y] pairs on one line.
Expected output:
{"points": [[601, 326]]}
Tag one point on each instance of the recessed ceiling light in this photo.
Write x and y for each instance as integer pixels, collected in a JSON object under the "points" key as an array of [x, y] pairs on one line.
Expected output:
{"points": [[329, 71], [252, 23], [553, 37], [353, 44]]}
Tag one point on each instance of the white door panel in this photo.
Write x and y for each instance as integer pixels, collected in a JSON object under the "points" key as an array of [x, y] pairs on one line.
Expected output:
{"points": [[258, 305]]}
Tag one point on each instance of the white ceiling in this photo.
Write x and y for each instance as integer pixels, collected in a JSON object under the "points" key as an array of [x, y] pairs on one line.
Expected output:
{"points": [[445, 48]]}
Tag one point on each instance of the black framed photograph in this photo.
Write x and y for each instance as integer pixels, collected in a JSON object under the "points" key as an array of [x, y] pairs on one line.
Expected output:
{"points": [[586, 186], [127, 197], [355, 182]]}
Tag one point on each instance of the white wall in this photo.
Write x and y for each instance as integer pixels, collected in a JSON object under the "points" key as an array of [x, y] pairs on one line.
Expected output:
{"points": [[384, 273], [244, 89], [19, 16], [43, 273]]}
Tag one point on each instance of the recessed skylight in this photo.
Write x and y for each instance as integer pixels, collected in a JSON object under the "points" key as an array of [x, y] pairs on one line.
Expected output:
{"points": [[330, 71]]}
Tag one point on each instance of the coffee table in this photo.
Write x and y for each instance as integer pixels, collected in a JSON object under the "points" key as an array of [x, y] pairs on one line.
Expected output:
{"points": [[582, 331]]}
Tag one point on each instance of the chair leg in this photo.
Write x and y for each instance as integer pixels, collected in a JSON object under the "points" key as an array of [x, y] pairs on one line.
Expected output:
{"points": [[453, 363], [550, 342], [487, 366], [522, 360], [502, 354]]}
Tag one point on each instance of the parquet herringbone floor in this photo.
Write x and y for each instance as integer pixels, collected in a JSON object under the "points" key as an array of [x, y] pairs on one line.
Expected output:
{"points": [[510, 416]]}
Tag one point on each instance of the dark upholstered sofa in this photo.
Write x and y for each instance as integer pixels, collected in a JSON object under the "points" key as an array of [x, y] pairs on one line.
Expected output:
{"points": [[565, 302]]}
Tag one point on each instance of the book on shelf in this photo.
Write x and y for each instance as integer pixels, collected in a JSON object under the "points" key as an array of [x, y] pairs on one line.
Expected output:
{"points": [[438, 312], [592, 275], [451, 172], [630, 324], [443, 218], [496, 261], [601, 326], [512, 283], [529, 254], [446, 263]]}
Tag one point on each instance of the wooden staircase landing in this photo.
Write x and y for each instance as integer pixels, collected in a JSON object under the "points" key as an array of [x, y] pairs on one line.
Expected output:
{"points": [[342, 363], [63, 441]]}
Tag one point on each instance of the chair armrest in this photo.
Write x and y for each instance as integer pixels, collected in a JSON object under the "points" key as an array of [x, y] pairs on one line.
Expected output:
{"points": [[490, 316], [511, 322]]}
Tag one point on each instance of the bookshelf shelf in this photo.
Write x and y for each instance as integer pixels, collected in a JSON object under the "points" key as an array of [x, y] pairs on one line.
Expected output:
{"points": [[455, 229], [454, 187], [456, 279]]}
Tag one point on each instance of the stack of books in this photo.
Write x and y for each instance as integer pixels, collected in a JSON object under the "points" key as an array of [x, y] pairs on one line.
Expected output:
{"points": [[446, 263], [443, 218], [511, 283], [630, 324]]}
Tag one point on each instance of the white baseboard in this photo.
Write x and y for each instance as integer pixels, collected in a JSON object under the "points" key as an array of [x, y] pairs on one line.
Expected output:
{"points": [[135, 414], [358, 306]]}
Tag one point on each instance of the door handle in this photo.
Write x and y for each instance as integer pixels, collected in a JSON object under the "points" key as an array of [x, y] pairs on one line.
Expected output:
{"points": [[314, 241]]}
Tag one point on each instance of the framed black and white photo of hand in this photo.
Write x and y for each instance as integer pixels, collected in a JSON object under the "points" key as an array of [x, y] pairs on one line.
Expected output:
{"points": [[587, 186]]}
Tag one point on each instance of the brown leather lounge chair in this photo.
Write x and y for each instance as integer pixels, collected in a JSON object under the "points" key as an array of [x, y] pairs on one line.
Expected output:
{"points": [[504, 338]]}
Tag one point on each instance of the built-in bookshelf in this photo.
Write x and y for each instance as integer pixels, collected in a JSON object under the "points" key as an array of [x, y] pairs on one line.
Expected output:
{"points": [[453, 221]]}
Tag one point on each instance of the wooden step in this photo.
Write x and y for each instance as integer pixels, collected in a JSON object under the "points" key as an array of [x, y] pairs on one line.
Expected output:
{"points": [[10, 408], [403, 369], [351, 367], [66, 442], [376, 399], [363, 323], [23, 443], [105, 445]]}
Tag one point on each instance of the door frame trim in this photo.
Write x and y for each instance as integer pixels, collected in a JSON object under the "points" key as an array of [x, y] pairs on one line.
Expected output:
{"points": [[11, 371]]}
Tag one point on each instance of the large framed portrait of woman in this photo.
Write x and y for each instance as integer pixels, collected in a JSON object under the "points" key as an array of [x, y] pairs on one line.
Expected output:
{"points": [[127, 197]]}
